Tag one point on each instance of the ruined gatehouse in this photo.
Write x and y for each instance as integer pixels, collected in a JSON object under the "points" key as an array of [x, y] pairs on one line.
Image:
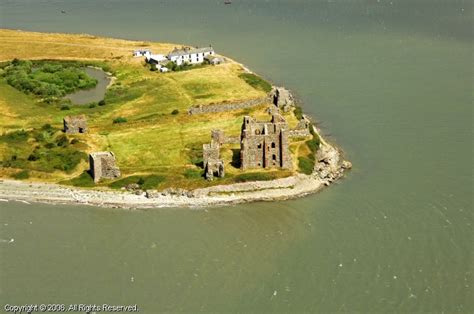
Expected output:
{"points": [[75, 124], [265, 144], [213, 165], [103, 165]]}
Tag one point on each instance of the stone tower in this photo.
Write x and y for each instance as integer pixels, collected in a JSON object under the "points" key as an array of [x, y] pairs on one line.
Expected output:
{"points": [[265, 144], [213, 165], [102, 165]]}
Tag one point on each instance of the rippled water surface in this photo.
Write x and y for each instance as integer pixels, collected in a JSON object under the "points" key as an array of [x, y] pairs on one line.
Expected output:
{"points": [[389, 81]]}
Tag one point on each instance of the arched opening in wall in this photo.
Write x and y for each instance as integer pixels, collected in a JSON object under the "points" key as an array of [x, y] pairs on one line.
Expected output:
{"points": [[273, 146], [274, 159], [259, 146]]}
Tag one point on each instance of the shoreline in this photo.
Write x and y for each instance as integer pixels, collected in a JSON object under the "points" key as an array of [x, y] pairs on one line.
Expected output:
{"points": [[329, 168]]}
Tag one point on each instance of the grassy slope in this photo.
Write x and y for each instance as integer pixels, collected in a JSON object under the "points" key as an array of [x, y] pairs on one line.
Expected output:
{"points": [[152, 141]]}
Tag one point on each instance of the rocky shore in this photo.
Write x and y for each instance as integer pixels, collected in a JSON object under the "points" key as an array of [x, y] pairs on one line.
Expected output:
{"points": [[329, 167]]}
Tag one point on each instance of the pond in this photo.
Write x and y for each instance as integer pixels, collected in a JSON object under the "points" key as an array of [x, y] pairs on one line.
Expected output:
{"points": [[95, 94]]}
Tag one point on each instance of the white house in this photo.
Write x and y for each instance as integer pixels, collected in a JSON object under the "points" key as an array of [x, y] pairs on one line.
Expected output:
{"points": [[142, 53], [190, 55]]}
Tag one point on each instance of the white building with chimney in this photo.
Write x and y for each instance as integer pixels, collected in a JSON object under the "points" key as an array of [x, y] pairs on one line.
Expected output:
{"points": [[190, 55]]}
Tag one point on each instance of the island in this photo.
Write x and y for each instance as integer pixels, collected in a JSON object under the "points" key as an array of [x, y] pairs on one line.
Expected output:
{"points": [[138, 124]]}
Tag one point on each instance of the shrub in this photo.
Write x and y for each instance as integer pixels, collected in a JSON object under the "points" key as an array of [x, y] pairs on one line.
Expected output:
{"points": [[75, 141], [298, 112], [34, 156], [314, 143], [120, 120], [46, 127], [62, 140], [145, 182], [305, 165], [175, 112], [15, 136], [65, 107], [93, 105], [101, 103], [22, 175]]}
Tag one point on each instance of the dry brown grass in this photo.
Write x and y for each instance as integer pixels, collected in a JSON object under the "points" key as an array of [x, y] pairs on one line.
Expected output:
{"points": [[33, 45], [152, 141]]}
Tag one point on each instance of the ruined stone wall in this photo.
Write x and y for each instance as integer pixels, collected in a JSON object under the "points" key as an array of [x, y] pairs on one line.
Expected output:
{"points": [[75, 124], [299, 133], [210, 151], [222, 107], [282, 98]]}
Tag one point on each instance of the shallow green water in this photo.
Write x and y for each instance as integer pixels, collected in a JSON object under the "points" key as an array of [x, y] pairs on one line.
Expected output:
{"points": [[391, 83], [95, 94]]}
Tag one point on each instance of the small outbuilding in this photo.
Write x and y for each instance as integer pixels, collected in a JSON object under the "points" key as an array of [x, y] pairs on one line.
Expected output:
{"points": [[75, 124], [214, 60]]}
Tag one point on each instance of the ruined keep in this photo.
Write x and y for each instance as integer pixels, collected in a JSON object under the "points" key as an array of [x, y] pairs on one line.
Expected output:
{"points": [[213, 165], [75, 124], [102, 165], [282, 98], [265, 144]]}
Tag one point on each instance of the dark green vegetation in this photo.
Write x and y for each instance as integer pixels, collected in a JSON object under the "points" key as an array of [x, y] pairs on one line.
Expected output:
{"points": [[298, 112], [256, 82], [306, 163], [145, 182], [172, 66], [120, 120], [22, 175], [84, 180], [193, 173], [47, 79], [46, 149], [256, 176]]}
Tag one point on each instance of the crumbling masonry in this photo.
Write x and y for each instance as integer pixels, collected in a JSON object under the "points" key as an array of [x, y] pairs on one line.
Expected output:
{"points": [[213, 165], [282, 98], [75, 124], [265, 144], [102, 165]]}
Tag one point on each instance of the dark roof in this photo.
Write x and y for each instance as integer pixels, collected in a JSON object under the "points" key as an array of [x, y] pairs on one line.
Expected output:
{"points": [[187, 50]]}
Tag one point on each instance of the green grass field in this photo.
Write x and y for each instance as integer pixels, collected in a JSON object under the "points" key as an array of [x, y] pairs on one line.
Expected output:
{"points": [[159, 142]]}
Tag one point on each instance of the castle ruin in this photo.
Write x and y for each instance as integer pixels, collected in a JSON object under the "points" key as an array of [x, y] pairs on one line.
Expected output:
{"points": [[102, 165], [265, 144], [213, 165], [75, 124], [282, 98]]}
